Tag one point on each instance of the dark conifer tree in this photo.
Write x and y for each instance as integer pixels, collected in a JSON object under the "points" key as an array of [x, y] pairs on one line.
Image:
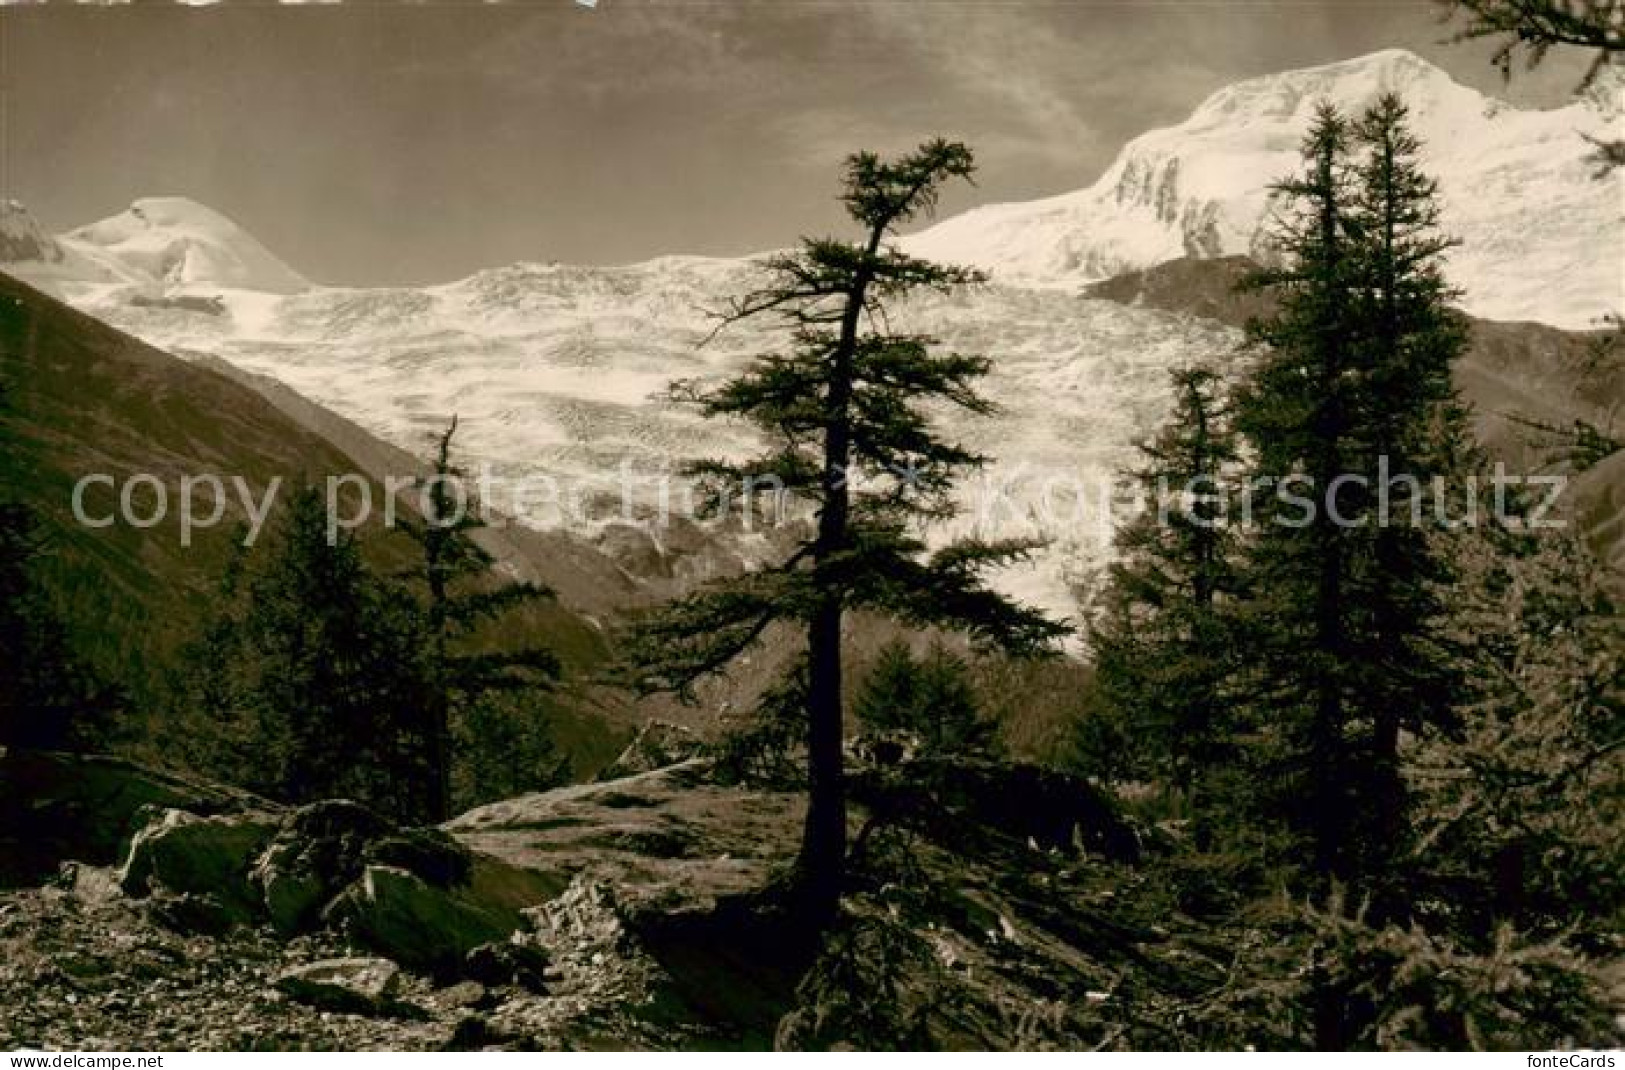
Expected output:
{"points": [[891, 687], [315, 672], [506, 745], [461, 595], [846, 410], [1299, 412], [1418, 432], [1351, 418], [929, 697], [1163, 652]]}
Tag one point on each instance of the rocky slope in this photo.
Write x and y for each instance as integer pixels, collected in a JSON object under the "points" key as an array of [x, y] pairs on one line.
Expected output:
{"points": [[994, 903]]}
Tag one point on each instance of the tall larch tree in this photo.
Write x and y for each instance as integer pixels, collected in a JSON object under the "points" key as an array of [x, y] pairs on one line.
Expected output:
{"points": [[846, 413], [1355, 427], [1419, 433]]}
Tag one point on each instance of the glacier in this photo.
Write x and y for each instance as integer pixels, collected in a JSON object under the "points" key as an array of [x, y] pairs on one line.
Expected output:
{"points": [[557, 371]]}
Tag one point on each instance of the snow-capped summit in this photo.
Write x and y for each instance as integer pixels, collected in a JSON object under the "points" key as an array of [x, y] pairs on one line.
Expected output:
{"points": [[175, 242], [1293, 95], [1516, 187], [48, 261]]}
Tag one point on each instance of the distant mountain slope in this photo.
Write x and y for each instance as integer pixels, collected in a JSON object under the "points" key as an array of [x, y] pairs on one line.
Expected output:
{"points": [[1510, 369], [1512, 372], [559, 372], [583, 577], [1516, 188], [87, 399]]}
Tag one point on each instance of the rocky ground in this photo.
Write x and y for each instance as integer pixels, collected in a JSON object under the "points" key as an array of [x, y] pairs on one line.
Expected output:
{"points": [[84, 968], [162, 952]]}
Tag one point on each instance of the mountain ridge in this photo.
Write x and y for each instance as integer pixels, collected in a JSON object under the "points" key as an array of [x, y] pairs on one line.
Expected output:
{"points": [[1196, 188], [557, 370]]}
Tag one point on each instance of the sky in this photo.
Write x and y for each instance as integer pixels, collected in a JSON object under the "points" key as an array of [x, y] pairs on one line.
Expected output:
{"points": [[374, 142]]}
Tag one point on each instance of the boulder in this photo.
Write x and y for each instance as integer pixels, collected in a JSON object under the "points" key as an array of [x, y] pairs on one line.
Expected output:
{"points": [[182, 854], [462, 995], [291, 895], [349, 986], [400, 915], [194, 914], [324, 849], [427, 853], [320, 850], [56, 807], [503, 886]]}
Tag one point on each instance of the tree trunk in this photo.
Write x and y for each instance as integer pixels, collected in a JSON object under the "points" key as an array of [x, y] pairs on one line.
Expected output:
{"points": [[823, 844], [1326, 741], [439, 786]]}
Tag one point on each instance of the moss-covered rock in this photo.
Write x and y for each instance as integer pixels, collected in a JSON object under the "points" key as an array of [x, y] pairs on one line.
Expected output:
{"points": [[183, 854], [398, 914]]}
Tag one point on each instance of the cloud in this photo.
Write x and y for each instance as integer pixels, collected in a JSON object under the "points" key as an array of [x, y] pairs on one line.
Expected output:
{"points": [[1006, 63], [621, 52]]}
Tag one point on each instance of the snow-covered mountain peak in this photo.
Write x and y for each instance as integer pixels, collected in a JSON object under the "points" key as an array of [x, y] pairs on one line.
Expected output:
{"points": [[1293, 95], [27, 251], [1517, 187], [177, 242]]}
